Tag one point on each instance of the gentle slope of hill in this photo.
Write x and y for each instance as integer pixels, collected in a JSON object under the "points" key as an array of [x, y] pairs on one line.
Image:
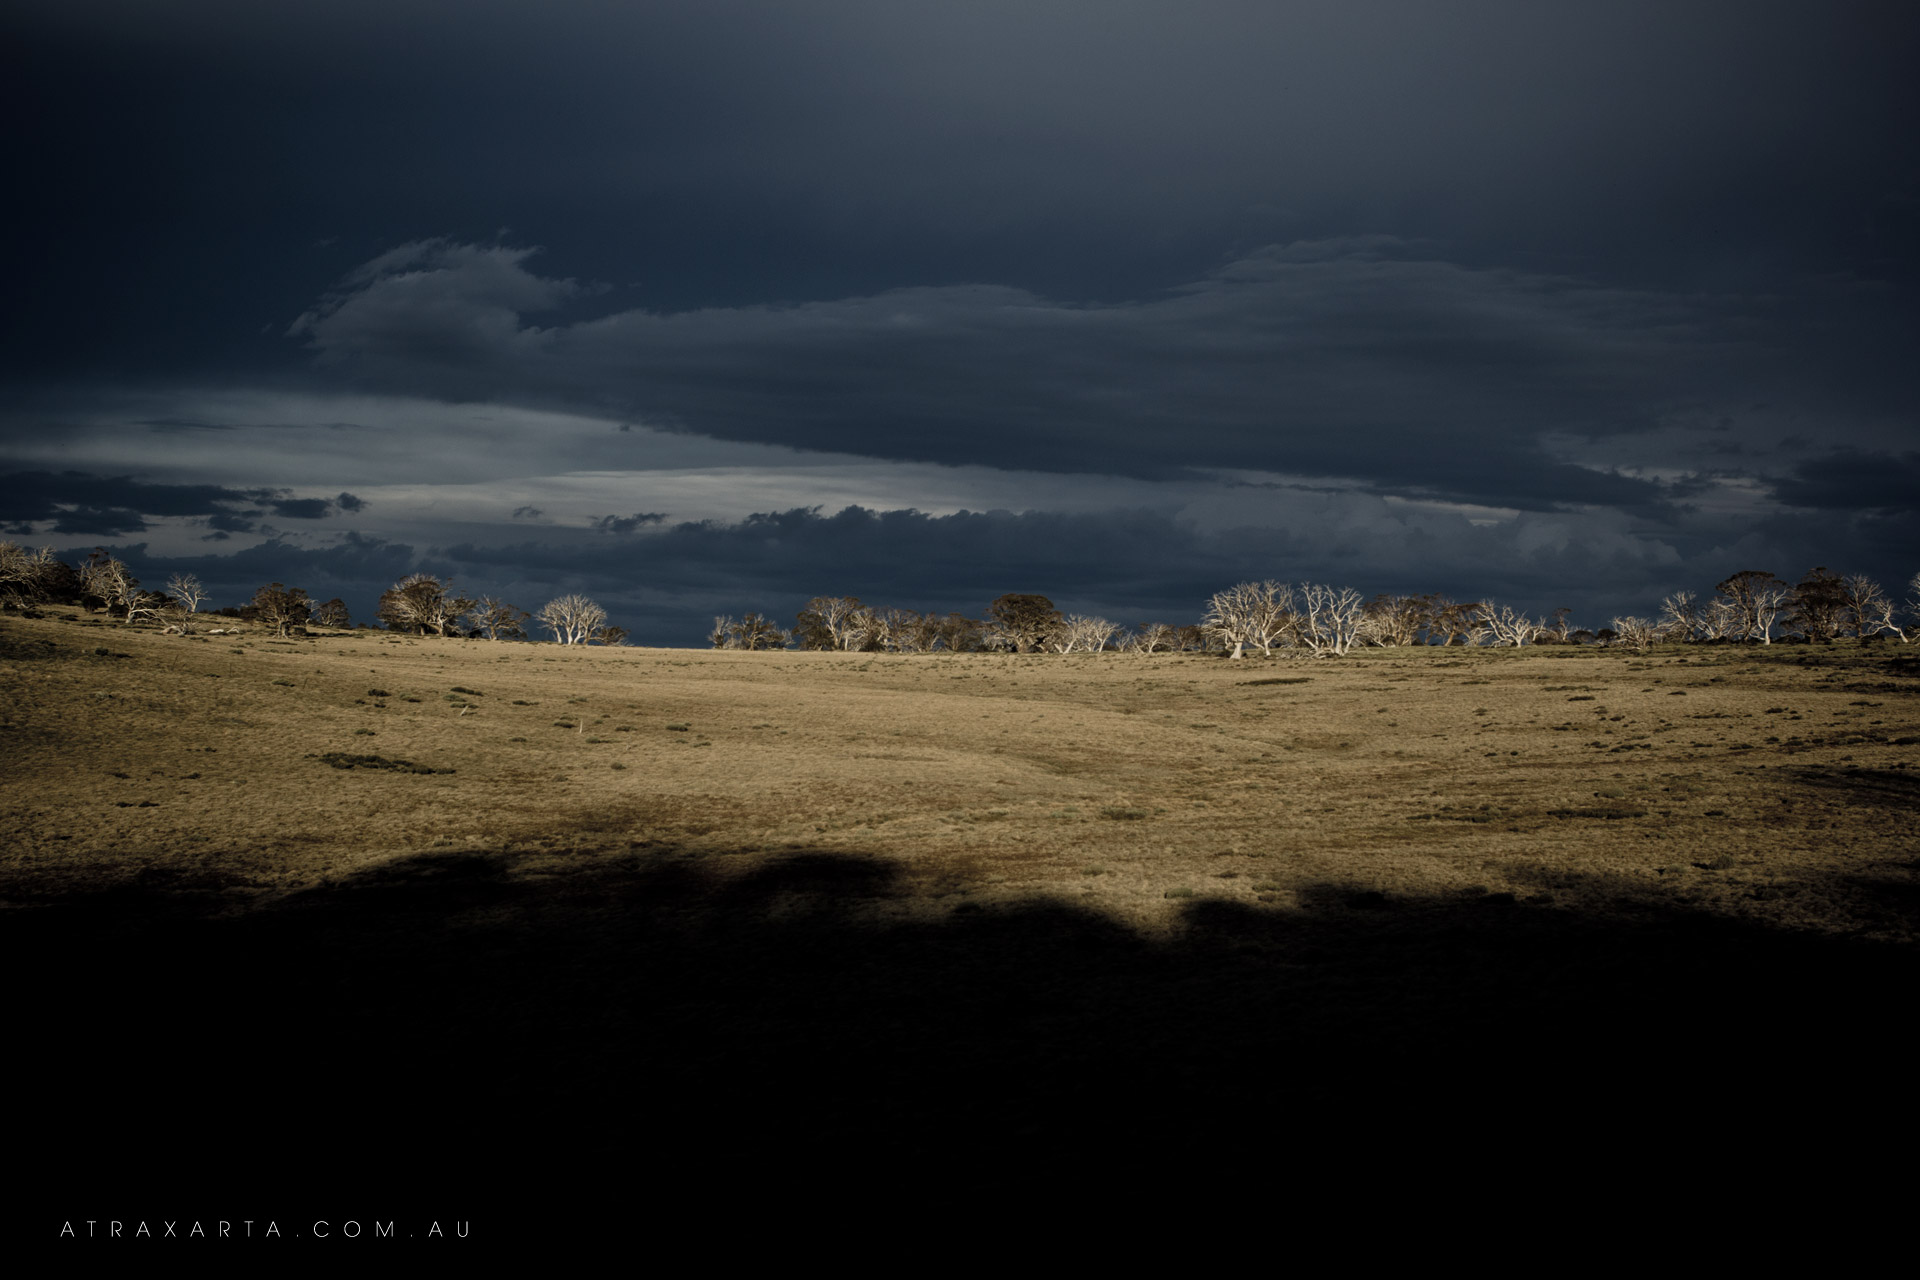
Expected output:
{"points": [[451, 910]]}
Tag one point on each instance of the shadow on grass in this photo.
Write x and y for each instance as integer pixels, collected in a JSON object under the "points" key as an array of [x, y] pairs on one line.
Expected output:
{"points": [[446, 1027], [1878, 788]]}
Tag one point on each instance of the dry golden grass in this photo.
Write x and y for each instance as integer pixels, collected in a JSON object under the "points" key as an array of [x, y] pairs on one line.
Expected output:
{"points": [[1096, 912], [1769, 785]]}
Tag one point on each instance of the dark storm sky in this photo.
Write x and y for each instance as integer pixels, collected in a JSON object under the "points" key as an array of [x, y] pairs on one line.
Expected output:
{"points": [[712, 306]]}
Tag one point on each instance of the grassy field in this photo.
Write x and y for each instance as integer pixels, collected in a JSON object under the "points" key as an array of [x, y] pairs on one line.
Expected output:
{"points": [[468, 905]]}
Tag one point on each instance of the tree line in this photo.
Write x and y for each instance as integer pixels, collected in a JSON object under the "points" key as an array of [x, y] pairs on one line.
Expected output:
{"points": [[419, 604], [1750, 606], [1326, 621]]}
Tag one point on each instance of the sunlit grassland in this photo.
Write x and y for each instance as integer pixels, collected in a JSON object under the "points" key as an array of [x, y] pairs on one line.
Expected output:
{"points": [[1744, 782]]}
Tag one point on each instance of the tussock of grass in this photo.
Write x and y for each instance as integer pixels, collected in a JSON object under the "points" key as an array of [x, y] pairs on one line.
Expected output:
{"points": [[1597, 813], [343, 760]]}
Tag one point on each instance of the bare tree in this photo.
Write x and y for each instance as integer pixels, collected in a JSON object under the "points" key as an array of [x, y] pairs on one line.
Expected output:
{"points": [[24, 574], [1719, 619], [573, 619], [1680, 616], [1913, 610], [186, 590], [1636, 633], [863, 631], [1272, 618], [1505, 625], [1865, 603], [1228, 618], [755, 632], [1081, 634], [885, 628], [833, 622], [1394, 620], [1756, 598], [109, 581], [1151, 637], [1883, 616], [1327, 618], [149, 606], [920, 633], [1768, 603], [186, 595], [494, 618], [1250, 613], [997, 637]]}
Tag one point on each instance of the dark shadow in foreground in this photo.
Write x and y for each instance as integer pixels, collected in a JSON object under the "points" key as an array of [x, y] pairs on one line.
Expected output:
{"points": [[451, 1037]]}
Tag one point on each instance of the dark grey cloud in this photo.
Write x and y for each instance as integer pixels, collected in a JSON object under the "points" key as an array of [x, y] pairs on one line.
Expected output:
{"points": [[42, 495], [291, 508], [301, 508], [108, 505], [627, 524], [1852, 480], [79, 502], [753, 150], [1364, 358]]}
